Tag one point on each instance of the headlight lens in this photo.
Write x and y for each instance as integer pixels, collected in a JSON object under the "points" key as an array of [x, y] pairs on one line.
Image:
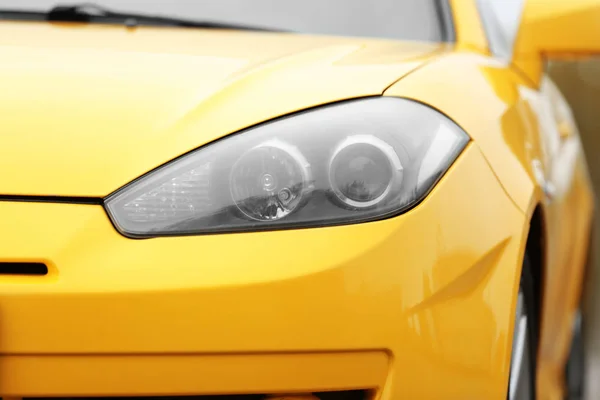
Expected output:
{"points": [[270, 181], [344, 163]]}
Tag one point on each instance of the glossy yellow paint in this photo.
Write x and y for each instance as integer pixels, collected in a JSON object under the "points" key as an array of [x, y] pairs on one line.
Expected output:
{"points": [[469, 31], [517, 129], [390, 306], [159, 92], [394, 293], [556, 28]]}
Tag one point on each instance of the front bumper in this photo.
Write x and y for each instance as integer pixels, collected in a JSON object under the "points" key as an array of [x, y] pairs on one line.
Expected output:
{"points": [[417, 306]]}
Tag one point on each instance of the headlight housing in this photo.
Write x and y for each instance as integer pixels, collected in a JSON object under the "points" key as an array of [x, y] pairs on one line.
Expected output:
{"points": [[343, 163]]}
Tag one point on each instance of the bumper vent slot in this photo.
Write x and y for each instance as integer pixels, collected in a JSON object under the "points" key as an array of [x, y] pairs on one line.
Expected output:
{"points": [[23, 268]]}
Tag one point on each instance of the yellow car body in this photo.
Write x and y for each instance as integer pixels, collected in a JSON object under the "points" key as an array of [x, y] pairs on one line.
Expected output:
{"points": [[419, 306]]}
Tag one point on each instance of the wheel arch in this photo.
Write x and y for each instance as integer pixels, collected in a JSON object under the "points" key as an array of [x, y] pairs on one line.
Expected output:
{"points": [[535, 249]]}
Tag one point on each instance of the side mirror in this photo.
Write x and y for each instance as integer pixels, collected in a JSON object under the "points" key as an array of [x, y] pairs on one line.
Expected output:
{"points": [[556, 29]]}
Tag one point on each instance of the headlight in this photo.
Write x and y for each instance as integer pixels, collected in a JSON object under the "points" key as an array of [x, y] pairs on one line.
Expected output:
{"points": [[349, 162]]}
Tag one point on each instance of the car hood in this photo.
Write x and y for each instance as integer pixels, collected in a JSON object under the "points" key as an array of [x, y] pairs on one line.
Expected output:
{"points": [[86, 109]]}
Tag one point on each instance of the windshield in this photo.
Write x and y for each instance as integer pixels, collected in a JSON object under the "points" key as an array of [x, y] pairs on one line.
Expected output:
{"points": [[393, 19]]}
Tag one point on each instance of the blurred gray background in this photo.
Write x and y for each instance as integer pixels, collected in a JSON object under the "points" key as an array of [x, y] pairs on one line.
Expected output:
{"points": [[579, 81]]}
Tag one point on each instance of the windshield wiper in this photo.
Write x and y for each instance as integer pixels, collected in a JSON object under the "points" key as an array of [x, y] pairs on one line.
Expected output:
{"points": [[90, 13]]}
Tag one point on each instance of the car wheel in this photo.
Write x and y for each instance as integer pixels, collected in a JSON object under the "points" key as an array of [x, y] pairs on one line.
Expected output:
{"points": [[523, 360], [575, 369]]}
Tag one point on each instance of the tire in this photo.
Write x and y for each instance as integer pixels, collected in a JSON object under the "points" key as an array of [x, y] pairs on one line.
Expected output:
{"points": [[524, 351], [575, 368]]}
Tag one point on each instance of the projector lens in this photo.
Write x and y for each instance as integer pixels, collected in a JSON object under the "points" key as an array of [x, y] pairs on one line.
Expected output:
{"points": [[363, 170]]}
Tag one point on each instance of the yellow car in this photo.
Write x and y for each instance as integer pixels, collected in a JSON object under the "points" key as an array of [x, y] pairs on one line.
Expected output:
{"points": [[333, 200]]}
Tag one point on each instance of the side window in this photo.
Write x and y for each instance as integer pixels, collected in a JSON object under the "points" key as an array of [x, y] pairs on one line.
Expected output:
{"points": [[501, 19]]}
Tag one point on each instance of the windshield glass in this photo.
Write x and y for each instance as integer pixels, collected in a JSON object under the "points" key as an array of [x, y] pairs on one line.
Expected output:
{"points": [[393, 19]]}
